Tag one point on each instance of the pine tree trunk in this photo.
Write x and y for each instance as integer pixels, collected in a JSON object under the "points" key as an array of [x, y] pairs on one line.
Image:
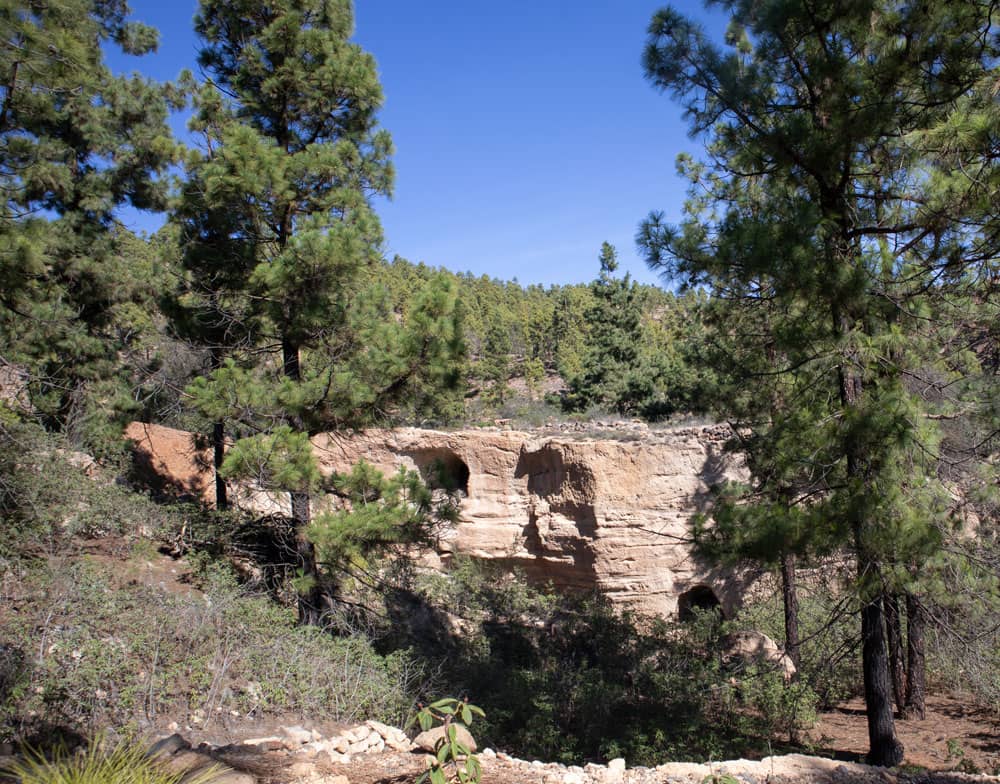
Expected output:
{"points": [[219, 442], [894, 635], [311, 597], [218, 455], [311, 600], [916, 624], [885, 748], [790, 597]]}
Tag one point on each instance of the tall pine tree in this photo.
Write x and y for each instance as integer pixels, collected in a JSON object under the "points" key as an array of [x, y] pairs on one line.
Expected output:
{"points": [[815, 202], [281, 232], [76, 143]]}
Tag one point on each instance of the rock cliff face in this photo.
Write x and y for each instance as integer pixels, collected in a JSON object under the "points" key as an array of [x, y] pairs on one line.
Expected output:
{"points": [[584, 513]]}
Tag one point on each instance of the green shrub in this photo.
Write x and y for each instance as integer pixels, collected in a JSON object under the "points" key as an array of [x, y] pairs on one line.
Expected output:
{"points": [[783, 709], [49, 495], [573, 678], [109, 655]]}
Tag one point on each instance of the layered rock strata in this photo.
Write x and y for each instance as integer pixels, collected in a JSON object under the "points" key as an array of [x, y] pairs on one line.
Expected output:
{"points": [[611, 514]]}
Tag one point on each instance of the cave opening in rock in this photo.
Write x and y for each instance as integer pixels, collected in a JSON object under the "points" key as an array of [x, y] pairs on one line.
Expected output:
{"points": [[444, 469], [698, 598]]}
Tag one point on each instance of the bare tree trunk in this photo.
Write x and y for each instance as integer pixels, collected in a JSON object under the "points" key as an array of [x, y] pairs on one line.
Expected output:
{"points": [[916, 687], [894, 635], [790, 597], [310, 594], [885, 748]]}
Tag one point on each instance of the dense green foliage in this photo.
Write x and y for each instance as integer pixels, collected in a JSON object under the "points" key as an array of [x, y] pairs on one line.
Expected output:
{"points": [[76, 142], [612, 347], [118, 654]]}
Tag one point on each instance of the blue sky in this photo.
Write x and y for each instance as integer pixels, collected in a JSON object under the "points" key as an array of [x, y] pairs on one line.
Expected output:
{"points": [[525, 132]]}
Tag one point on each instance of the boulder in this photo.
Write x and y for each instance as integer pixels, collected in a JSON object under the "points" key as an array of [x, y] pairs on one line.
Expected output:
{"points": [[230, 776], [187, 762], [428, 740], [167, 746], [296, 736], [752, 647]]}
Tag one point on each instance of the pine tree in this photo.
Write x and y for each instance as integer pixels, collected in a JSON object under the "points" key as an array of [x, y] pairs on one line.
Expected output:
{"points": [[814, 203], [76, 143], [292, 156], [612, 355]]}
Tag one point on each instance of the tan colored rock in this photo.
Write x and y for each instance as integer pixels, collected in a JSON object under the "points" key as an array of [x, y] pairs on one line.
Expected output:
{"points": [[428, 740], [399, 745], [301, 770], [752, 647], [186, 762], [229, 776], [384, 730], [296, 736], [611, 514], [260, 741]]}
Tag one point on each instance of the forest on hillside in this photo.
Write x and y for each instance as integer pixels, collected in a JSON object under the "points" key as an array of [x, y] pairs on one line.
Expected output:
{"points": [[832, 294]]}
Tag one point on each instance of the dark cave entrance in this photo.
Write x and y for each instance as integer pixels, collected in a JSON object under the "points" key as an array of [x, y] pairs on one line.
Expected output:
{"points": [[699, 598], [442, 469]]}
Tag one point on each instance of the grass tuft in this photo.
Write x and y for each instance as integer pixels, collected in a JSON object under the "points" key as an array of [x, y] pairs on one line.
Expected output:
{"points": [[121, 764]]}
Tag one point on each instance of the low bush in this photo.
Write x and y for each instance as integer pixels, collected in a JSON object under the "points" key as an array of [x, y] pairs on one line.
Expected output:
{"points": [[830, 660], [50, 495], [96, 654], [575, 679]]}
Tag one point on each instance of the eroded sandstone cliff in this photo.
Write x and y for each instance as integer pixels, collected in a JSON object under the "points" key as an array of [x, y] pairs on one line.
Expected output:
{"points": [[605, 513]]}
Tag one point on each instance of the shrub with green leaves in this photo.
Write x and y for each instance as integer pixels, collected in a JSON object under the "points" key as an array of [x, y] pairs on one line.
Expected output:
{"points": [[829, 663], [50, 494], [454, 761]]}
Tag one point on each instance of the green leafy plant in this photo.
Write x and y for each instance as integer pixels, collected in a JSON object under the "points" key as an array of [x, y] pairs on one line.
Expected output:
{"points": [[454, 760]]}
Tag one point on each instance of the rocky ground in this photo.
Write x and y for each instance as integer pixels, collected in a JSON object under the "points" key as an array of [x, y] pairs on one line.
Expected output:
{"points": [[373, 753]]}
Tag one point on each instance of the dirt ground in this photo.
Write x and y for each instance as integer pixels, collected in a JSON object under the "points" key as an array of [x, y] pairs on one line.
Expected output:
{"points": [[955, 734]]}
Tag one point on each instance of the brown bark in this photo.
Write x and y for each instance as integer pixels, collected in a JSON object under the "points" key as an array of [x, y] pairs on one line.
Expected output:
{"points": [[311, 598], [290, 364], [916, 687], [894, 635], [790, 598]]}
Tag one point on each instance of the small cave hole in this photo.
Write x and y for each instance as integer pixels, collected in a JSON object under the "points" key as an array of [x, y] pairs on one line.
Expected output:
{"points": [[442, 468], [701, 597]]}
